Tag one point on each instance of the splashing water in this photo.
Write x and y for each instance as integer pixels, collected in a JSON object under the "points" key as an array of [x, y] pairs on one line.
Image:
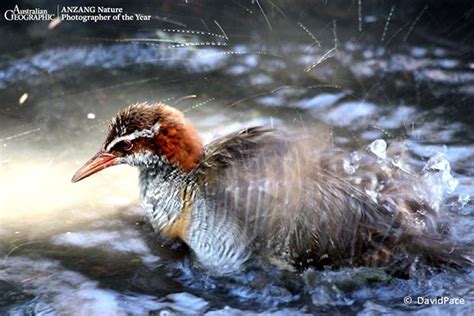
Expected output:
{"points": [[436, 181], [351, 164], [379, 148], [463, 199]]}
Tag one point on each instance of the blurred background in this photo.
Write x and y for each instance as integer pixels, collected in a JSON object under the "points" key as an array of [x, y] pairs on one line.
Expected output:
{"points": [[398, 71]]}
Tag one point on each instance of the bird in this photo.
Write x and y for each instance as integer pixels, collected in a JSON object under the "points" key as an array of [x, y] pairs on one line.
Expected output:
{"points": [[263, 194]]}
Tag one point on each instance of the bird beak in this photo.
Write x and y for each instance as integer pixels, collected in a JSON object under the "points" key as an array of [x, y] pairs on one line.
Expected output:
{"points": [[99, 162]]}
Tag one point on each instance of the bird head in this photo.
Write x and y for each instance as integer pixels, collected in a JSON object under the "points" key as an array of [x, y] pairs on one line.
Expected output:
{"points": [[143, 133]]}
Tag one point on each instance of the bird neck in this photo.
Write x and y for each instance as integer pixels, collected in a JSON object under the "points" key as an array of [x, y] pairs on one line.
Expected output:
{"points": [[160, 186], [180, 144]]}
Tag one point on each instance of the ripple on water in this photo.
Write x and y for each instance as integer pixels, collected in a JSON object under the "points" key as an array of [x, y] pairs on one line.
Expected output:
{"points": [[56, 289], [123, 239], [350, 114]]}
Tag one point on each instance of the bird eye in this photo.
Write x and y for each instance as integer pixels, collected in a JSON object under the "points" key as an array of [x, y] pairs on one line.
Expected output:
{"points": [[122, 146], [127, 145]]}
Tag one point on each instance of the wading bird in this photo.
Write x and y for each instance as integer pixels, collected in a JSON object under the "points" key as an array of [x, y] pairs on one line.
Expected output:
{"points": [[261, 193]]}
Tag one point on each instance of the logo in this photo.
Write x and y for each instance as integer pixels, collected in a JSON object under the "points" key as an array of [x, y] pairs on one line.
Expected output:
{"points": [[17, 14]]}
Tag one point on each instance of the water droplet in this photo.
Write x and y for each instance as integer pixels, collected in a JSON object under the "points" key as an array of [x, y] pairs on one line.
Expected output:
{"points": [[463, 199], [351, 164], [23, 98], [372, 194], [400, 164], [54, 23], [437, 163], [437, 181], [379, 148], [347, 167]]}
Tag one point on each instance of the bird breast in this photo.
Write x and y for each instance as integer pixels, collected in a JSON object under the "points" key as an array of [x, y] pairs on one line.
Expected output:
{"points": [[160, 200]]}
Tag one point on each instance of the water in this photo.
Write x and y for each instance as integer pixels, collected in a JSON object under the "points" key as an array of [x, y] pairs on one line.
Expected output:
{"points": [[378, 75]]}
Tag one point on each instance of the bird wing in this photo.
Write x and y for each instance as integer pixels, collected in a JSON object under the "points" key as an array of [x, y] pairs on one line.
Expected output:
{"points": [[278, 186], [241, 146]]}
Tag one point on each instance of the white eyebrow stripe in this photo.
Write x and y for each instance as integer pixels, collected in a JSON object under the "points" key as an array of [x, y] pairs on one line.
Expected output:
{"points": [[149, 133]]}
